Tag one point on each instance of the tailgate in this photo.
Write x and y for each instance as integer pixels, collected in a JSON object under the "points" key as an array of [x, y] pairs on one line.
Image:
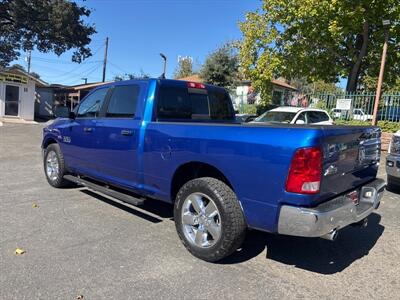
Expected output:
{"points": [[351, 158]]}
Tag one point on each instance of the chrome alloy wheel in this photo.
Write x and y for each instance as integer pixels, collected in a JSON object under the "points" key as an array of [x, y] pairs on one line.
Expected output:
{"points": [[52, 166], [201, 220]]}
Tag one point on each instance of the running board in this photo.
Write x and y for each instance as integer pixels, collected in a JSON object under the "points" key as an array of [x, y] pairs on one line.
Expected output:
{"points": [[105, 190]]}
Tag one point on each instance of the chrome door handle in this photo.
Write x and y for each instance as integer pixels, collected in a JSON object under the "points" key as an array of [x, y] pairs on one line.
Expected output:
{"points": [[126, 132], [87, 129]]}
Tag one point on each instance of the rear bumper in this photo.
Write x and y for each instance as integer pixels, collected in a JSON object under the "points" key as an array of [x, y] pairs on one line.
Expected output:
{"points": [[332, 215]]}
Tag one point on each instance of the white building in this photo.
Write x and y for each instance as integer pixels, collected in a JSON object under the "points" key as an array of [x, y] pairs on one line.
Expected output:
{"points": [[17, 94]]}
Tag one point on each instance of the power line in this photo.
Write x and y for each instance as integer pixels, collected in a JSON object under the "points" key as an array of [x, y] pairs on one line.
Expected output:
{"points": [[116, 66], [59, 61]]}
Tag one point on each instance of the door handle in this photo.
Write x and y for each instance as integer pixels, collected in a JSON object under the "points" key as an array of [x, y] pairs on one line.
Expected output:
{"points": [[87, 129], [126, 132]]}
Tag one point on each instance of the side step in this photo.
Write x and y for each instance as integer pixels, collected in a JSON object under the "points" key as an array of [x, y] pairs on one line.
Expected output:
{"points": [[105, 190]]}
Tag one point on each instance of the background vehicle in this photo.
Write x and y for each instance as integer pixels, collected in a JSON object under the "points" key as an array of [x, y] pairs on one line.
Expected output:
{"points": [[393, 162], [244, 118], [359, 114], [296, 115], [179, 142]]}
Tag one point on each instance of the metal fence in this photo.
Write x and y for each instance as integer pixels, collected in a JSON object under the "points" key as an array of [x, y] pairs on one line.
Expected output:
{"points": [[361, 105]]}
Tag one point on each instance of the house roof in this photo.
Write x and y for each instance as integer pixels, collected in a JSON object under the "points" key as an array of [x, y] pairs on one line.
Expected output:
{"points": [[87, 85], [13, 70], [283, 84]]}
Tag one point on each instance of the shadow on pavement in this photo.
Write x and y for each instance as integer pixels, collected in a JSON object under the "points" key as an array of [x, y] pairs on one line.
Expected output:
{"points": [[152, 210], [313, 254]]}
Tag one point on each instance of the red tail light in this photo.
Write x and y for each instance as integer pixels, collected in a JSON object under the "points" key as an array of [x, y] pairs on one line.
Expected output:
{"points": [[196, 85], [305, 171]]}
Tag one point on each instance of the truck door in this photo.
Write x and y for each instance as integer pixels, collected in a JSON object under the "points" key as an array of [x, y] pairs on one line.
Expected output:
{"points": [[78, 142], [117, 136]]}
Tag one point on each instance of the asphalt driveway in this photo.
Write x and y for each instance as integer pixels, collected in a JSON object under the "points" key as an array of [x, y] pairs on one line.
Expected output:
{"points": [[80, 243]]}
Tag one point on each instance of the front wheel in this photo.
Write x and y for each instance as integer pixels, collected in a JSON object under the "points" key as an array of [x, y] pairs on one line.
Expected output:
{"points": [[209, 219], [54, 166]]}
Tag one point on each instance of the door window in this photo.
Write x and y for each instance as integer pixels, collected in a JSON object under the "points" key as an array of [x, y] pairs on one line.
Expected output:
{"points": [[123, 102], [90, 107], [316, 117]]}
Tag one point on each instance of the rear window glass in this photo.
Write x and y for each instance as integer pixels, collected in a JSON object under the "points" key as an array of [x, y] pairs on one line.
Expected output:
{"points": [[176, 103], [123, 101]]}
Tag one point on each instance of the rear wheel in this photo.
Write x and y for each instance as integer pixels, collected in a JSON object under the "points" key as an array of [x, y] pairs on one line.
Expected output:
{"points": [[209, 219], [54, 166], [393, 183]]}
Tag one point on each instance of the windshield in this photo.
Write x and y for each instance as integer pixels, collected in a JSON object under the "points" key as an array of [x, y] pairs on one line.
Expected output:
{"points": [[276, 116]]}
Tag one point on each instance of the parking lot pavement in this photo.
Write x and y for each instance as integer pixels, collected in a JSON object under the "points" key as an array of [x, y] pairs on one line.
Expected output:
{"points": [[80, 243]]}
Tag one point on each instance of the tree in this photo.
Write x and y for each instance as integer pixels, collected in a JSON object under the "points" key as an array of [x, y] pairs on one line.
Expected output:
{"points": [[184, 68], [130, 76], [48, 25], [318, 86], [221, 67], [319, 40]]}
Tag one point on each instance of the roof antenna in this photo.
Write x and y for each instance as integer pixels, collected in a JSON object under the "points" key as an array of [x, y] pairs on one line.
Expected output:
{"points": [[165, 66]]}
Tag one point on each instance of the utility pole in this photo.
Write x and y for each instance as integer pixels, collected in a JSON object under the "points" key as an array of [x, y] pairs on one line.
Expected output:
{"points": [[105, 60], [29, 61], [85, 79], [386, 24]]}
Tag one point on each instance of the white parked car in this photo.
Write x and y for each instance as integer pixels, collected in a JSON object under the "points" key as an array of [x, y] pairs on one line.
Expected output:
{"points": [[359, 114], [296, 115]]}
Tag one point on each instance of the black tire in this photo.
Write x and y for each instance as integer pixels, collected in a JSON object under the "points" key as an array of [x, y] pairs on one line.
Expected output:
{"points": [[393, 184], [58, 181], [233, 224]]}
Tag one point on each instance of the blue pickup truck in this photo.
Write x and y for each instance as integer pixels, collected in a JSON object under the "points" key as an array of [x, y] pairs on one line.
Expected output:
{"points": [[179, 142]]}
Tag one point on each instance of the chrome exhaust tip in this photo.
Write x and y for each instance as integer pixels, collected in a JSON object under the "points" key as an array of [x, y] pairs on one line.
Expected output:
{"points": [[331, 236]]}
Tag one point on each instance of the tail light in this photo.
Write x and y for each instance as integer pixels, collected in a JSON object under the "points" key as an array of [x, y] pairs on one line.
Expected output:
{"points": [[305, 171]]}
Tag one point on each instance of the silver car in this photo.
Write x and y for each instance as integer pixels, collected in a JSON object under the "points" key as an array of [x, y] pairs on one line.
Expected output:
{"points": [[393, 162]]}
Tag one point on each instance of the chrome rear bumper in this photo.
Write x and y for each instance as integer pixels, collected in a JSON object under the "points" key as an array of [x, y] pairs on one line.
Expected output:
{"points": [[332, 215]]}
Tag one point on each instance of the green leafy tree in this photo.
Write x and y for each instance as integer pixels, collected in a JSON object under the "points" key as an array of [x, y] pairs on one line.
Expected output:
{"points": [[49, 25], [128, 76], [318, 86], [369, 84], [319, 40], [221, 67], [184, 68]]}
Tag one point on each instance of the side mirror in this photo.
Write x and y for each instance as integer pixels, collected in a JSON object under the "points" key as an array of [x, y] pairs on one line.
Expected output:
{"points": [[71, 115], [300, 122], [63, 112]]}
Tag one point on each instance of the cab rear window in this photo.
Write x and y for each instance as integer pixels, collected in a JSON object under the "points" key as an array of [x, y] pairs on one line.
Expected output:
{"points": [[191, 104]]}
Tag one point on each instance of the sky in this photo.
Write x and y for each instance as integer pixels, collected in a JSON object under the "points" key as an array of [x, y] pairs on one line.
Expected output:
{"points": [[139, 30]]}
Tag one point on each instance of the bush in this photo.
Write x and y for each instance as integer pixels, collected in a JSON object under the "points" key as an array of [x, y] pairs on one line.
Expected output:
{"points": [[262, 108], [249, 109], [385, 126]]}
